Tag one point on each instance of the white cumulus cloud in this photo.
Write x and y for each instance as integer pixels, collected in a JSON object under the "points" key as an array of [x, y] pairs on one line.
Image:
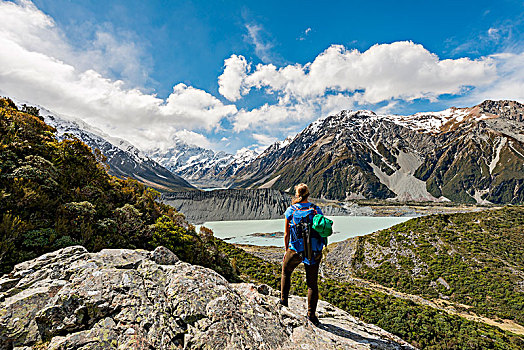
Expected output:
{"points": [[510, 82], [37, 64], [230, 81], [341, 79], [193, 138], [267, 116], [402, 70]]}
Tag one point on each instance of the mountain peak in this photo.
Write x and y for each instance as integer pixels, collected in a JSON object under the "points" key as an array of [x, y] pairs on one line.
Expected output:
{"points": [[361, 154], [504, 108], [124, 159], [245, 155]]}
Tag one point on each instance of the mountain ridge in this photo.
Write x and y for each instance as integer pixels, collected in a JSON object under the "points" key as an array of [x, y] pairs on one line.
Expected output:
{"points": [[202, 167], [123, 158], [464, 155], [359, 154]]}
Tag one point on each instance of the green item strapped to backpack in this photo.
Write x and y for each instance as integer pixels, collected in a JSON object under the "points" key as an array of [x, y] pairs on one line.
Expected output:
{"points": [[322, 225]]}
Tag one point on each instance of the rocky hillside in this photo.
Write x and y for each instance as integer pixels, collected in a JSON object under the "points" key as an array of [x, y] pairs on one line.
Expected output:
{"points": [[235, 204], [123, 299], [471, 155], [481, 159], [229, 204]]}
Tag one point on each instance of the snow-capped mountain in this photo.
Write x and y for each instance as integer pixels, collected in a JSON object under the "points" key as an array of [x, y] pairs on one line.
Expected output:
{"points": [[203, 167], [461, 154], [124, 159], [473, 155]]}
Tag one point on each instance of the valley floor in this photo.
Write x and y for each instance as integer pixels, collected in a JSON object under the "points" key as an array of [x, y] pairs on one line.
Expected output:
{"points": [[418, 209]]}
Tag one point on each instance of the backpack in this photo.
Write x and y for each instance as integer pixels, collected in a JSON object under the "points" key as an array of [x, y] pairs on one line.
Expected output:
{"points": [[302, 233]]}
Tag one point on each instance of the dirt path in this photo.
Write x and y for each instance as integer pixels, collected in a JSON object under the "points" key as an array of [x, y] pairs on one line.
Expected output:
{"points": [[444, 305]]}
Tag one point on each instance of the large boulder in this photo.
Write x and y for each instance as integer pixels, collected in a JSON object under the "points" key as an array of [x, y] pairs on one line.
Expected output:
{"points": [[134, 299]]}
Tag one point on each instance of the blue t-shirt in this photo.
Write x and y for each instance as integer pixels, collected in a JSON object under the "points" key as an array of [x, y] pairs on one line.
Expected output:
{"points": [[317, 244], [290, 210]]}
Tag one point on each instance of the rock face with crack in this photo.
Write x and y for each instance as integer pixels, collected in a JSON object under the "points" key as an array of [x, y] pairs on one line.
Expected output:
{"points": [[134, 299]]}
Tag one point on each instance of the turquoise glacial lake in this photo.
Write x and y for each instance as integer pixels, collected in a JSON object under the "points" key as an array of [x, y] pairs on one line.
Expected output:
{"points": [[270, 232]]}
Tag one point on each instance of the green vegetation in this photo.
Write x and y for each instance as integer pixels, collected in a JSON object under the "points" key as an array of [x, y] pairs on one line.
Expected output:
{"points": [[422, 326], [474, 258], [56, 194]]}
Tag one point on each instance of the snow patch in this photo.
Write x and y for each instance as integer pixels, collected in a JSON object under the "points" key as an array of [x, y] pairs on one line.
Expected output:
{"points": [[354, 195], [478, 196], [496, 159], [434, 122], [402, 182], [514, 150]]}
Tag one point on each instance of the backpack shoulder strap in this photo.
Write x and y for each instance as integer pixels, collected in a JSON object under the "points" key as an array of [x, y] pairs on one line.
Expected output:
{"points": [[295, 207]]}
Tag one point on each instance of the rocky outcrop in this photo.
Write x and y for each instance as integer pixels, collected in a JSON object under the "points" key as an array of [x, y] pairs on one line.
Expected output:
{"points": [[504, 108], [134, 299], [229, 204]]}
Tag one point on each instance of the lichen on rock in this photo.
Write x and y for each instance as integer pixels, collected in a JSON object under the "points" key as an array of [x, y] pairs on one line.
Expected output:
{"points": [[134, 299]]}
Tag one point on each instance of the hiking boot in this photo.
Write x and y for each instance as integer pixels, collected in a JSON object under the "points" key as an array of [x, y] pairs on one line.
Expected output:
{"points": [[313, 319], [283, 302]]}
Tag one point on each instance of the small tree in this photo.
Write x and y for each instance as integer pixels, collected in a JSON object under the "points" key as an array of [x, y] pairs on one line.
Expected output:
{"points": [[75, 219], [11, 228]]}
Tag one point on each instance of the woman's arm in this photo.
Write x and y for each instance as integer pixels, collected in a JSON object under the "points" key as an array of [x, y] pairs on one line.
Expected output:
{"points": [[286, 234]]}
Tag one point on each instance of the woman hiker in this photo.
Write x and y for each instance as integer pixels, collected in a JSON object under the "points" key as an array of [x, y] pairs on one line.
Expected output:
{"points": [[298, 224]]}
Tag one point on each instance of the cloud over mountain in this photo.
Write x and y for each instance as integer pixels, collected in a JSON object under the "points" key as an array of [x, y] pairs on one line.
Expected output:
{"points": [[400, 70], [103, 79], [39, 65]]}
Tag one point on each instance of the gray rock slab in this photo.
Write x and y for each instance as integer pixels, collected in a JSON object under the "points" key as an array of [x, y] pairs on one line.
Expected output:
{"points": [[133, 299]]}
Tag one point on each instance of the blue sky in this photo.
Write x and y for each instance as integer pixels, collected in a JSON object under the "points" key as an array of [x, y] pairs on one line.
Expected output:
{"points": [[247, 67]]}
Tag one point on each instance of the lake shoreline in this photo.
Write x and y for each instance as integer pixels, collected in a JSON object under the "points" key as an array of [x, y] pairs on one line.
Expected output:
{"points": [[270, 232], [254, 204]]}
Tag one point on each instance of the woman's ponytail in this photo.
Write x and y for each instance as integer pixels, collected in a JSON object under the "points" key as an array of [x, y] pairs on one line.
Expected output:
{"points": [[301, 193]]}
